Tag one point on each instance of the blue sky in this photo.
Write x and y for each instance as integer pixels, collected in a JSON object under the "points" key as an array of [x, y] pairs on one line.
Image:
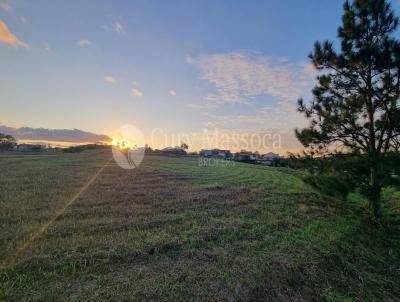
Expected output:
{"points": [[178, 65]]}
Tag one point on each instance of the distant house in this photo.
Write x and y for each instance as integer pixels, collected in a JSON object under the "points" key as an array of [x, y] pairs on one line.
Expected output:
{"points": [[244, 156], [270, 156], [29, 147], [216, 153], [270, 159], [205, 153], [173, 151], [254, 156]]}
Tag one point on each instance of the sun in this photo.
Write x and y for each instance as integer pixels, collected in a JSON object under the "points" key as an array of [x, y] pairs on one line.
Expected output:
{"points": [[123, 142], [128, 137]]}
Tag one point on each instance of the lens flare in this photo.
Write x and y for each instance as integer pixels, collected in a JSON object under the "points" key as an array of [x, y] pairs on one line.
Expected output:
{"points": [[128, 147]]}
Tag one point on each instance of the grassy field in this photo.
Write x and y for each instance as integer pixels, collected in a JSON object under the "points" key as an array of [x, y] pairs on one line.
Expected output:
{"points": [[173, 230]]}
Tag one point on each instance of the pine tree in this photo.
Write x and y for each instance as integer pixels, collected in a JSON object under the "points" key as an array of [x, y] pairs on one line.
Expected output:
{"points": [[355, 103]]}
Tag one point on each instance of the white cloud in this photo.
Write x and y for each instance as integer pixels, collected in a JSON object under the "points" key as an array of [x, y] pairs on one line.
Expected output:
{"points": [[9, 38], [172, 92], [47, 47], [23, 19], [240, 77], [110, 79], [84, 42], [118, 27], [5, 7], [137, 92]]}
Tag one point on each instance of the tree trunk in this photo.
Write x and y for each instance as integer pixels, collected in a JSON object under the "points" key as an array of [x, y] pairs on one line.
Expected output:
{"points": [[376, 203], [375, 192]]}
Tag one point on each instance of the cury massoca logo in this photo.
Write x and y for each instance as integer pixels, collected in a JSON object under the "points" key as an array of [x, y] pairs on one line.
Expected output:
{"points": [[128, 147]]}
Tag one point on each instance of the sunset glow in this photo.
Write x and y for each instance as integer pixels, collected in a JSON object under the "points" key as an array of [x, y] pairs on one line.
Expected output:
{"points": [[160, 65], [199, 150], [123, 143]]}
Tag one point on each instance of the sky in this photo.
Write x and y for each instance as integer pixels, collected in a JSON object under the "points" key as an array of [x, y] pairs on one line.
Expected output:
{"points": [[179, 66]]}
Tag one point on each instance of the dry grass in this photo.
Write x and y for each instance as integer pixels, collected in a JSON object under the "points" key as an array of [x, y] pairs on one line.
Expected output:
{"points": [[171, 230]]}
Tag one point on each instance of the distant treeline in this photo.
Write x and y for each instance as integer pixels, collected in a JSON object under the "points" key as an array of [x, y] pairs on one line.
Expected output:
{"points": [[9, 143], [80, 148]]}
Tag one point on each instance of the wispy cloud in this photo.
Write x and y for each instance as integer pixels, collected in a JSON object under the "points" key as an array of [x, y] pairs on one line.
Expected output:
{"points": [[172, 92], [5, 7], [265, 117], [110, 79], [23, 19], [247, 78], [137, 92], [84, 42], [9, 38], [118, 27], [240, 77]]}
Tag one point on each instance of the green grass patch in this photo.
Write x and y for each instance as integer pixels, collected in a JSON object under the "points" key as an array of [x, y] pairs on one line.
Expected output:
{"points": [[174, 230]]}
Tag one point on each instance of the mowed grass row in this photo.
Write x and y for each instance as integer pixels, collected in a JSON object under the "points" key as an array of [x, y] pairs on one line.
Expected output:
{"points": [[212, 173], [174, 230], [34, 187]]}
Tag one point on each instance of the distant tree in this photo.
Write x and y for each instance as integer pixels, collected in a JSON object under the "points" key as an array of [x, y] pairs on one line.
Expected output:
{"points": [[184, 146], [148, 149], [7, 142], [74, 149], [355, 103]]}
